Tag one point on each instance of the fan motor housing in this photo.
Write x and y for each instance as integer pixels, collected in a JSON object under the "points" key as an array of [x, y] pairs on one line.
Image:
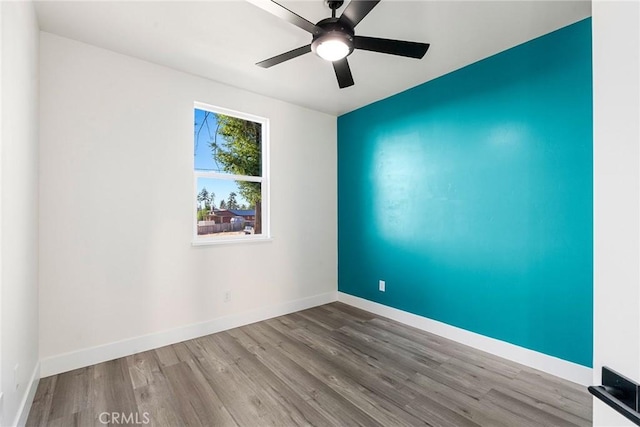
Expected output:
{"points": [[334, 4], [333, 29]]}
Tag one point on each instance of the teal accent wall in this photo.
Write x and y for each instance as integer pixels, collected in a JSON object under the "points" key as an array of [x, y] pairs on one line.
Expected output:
{"points": [[472, 195]]}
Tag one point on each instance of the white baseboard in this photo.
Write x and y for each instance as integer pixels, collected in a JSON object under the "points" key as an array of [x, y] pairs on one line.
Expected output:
{"points": [[90, 356], [27, 400], [561, 368]]}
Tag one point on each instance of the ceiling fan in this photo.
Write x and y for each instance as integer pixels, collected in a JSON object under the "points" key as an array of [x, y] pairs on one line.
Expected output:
{"points": [[333, 39]]}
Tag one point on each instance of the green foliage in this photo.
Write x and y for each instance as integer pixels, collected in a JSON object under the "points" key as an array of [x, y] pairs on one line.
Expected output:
{"points": [[202, 214], [206, 199], [223, 204], [239, 153], [203, 197], [232, 203]]}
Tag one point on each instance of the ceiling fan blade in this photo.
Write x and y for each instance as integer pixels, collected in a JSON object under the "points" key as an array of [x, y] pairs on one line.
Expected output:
{"points": [[392, 47], [283, 13], [357, 9], [284, 56], [343, 73]]}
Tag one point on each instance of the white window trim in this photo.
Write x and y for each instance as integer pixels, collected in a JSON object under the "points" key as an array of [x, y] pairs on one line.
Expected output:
{"points": [[264, 180]]}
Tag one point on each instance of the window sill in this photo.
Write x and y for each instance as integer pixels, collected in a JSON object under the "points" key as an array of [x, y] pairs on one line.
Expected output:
{"points": [[231, 241]]}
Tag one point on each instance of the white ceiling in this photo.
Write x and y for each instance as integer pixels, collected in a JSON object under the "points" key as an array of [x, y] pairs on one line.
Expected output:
{"points": [[222, 40]]}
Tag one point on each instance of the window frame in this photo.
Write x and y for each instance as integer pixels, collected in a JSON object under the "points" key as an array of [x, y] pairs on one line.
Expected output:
{"points": [[263, 180]]}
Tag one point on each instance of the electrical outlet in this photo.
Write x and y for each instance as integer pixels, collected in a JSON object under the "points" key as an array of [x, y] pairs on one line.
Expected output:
{"points": [[16, 371], [227, 296], [382, 286]]}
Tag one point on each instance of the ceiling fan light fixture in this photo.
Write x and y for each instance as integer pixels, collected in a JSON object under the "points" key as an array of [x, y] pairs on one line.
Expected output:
{"points": [[332, 50], [335, 42]]}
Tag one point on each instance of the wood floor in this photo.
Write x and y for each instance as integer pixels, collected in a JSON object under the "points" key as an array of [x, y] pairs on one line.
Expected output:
{"points": [[330, 365]]}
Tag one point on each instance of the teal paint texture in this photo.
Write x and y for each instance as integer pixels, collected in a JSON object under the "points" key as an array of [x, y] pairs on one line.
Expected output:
{"points": [[471, 195]]}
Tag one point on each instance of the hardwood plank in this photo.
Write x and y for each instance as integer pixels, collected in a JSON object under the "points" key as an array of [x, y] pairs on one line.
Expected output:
{"points": [[246, 402], [369, 344], [77, 419], [478, 373], [198, 403], [42, 401], [463, 403], [196, 348], [155, 398], [447, 347], [352, 312], [555, 385], [167, 355], [333, 365], [382, 397], [322, 318], [399, 342], [110, 390], [545, 407], [512, 403], [293, 409], [384, 369], [142, 367], [330, 403], [565, 398], [71, 394], [182, 352]]}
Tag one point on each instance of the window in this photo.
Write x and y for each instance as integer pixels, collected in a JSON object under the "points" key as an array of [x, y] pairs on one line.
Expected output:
{"points": [[230, 176]]}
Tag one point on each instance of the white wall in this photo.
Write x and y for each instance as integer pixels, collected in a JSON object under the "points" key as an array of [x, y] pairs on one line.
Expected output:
{"points": [[19, 209], [116, 159], [616, 71]]}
